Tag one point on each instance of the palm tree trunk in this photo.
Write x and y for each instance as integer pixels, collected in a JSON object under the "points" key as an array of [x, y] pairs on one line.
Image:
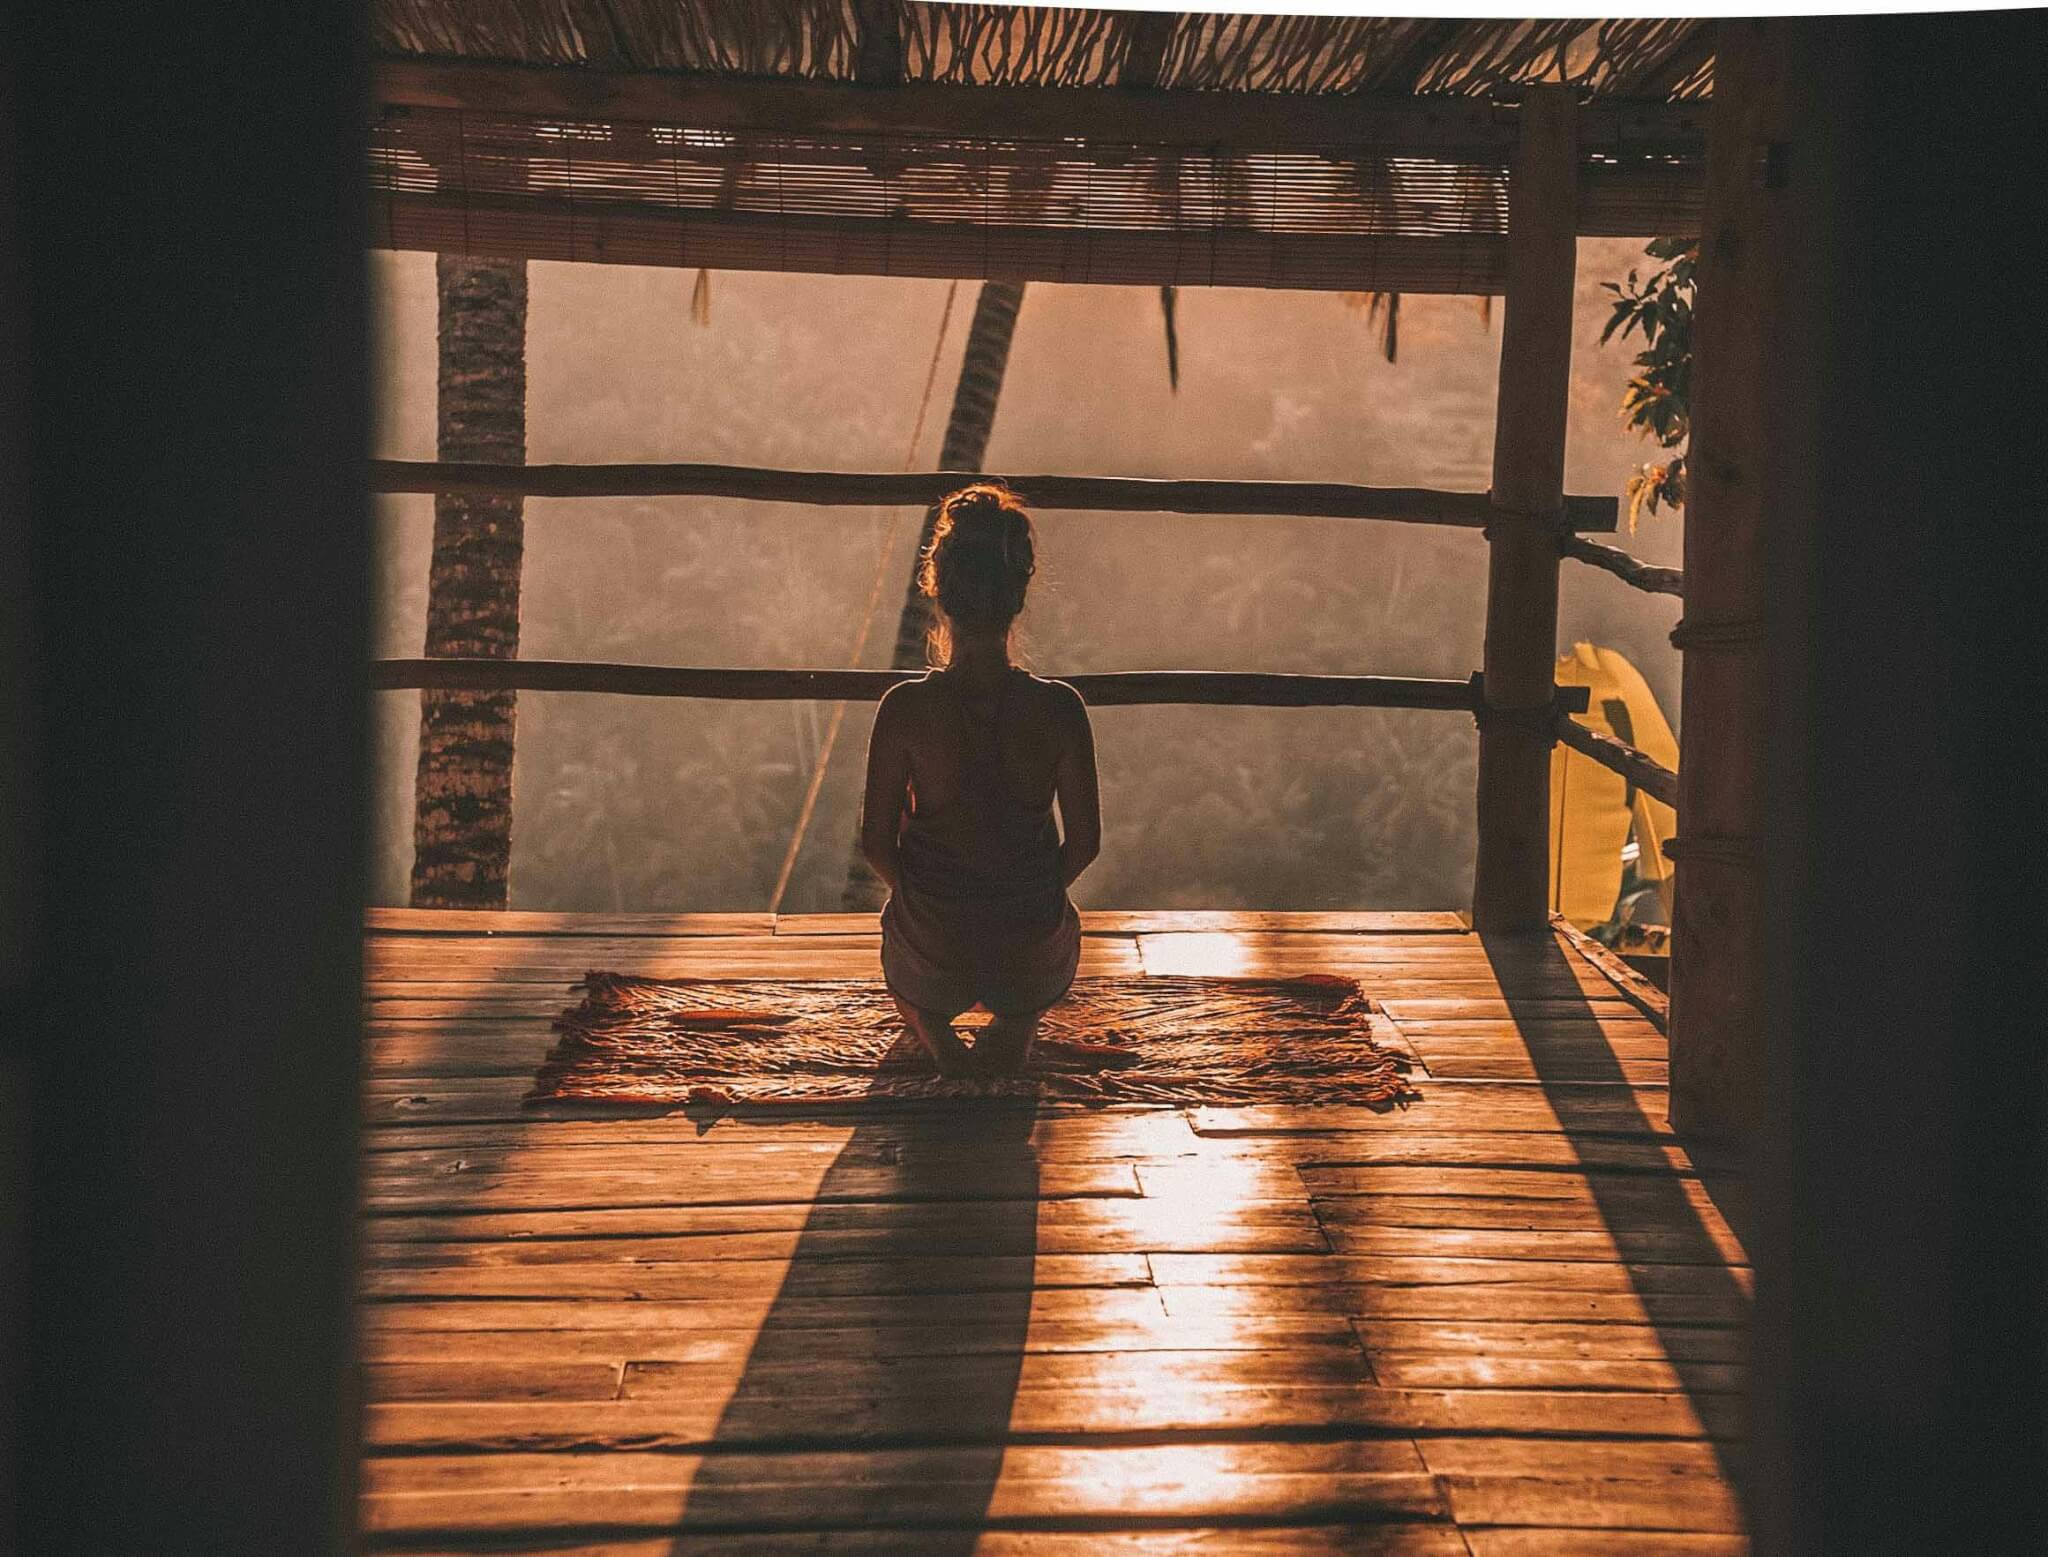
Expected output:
{"points": [[965, 448], [462, 826]]}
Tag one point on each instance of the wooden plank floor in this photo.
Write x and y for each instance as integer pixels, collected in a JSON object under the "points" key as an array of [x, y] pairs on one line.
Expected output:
{"points": [[1507, 1319]]}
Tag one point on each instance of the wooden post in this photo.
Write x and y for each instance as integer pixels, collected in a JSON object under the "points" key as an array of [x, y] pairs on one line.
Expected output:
{"points": [[1511, 884], [1717, 918]]}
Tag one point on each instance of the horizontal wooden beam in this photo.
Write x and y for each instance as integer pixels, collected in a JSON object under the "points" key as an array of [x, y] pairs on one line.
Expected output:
{"points": [[919, 489], [1264, 120], [1641, 770], [1630, 570], [1113, 689]]}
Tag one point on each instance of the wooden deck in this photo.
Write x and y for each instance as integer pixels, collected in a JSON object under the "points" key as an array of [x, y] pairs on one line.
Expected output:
{"points": [[1507, 1319]]}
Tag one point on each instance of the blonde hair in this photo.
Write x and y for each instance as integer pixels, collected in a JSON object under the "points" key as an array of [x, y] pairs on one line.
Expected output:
{"points": [[979, 563]]}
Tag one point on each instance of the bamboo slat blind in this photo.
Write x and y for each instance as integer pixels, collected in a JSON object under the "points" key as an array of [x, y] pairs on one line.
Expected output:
{"points": [[1354, 217]]}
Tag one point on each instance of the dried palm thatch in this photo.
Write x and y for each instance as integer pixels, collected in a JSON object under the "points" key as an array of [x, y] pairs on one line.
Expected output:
{"points": [[1014, 45], [1167, 1040]]}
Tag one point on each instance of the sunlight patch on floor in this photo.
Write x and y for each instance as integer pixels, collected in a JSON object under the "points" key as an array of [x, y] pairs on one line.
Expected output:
{"points": [[1217, 954]]}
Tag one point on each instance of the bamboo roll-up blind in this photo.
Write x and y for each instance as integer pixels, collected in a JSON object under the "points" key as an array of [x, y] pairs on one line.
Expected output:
{"points": [[1643, 197], [1363, 216], [1642, 177]]}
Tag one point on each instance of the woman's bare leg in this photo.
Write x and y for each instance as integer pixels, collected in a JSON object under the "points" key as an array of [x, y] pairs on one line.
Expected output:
{"points": [[1005, 1044], [935, 1032]]}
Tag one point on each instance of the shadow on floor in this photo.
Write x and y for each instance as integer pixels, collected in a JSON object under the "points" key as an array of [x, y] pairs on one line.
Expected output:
{"points": [[1647, 1212], [880, 1385]]}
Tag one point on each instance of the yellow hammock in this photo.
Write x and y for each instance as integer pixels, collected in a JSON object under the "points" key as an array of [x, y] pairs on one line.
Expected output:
{"points": [[1592, 808]]}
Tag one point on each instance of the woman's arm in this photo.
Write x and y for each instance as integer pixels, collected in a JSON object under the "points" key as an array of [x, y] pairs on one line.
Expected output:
{"points": [[1074, 783], [881, 811]]}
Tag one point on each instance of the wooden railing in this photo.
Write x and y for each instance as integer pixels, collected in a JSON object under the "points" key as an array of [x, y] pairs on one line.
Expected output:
{"points": [[1111, 689], [1102, 689], [1296, 499], [1630, 570], [1640, 769], [920, 489]]}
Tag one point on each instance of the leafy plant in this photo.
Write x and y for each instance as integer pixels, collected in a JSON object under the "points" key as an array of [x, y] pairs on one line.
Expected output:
{"points": [[1658, 400]]}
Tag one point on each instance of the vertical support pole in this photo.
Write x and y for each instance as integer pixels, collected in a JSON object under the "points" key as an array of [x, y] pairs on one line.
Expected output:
{"points": [[1717, 918], [1511, 885]]}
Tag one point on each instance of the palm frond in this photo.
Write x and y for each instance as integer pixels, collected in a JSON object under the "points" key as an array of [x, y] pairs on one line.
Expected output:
{"points": [[1169, 300], [1387, 306], [1383, 309]]}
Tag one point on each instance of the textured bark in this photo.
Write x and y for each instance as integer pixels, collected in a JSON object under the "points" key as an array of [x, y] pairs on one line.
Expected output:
{"points": [[965, 449], [462, 827]]}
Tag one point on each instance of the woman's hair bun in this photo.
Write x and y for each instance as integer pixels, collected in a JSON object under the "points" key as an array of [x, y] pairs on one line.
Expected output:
{"points": [[981, 557], [983, 499]]}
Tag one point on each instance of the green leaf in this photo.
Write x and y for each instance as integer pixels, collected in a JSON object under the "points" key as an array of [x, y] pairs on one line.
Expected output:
{"points": [[1656, 402]]}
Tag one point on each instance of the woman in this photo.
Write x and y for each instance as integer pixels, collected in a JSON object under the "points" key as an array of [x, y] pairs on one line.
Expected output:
{"points": [[963, 769]]}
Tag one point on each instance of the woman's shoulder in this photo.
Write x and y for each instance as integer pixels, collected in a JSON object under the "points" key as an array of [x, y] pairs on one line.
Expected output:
{"points": [[1057, 699], [907, 699], [1049, 688]]}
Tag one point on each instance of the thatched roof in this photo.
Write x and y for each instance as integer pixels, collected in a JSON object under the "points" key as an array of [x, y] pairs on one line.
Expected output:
{"points": [[884, 136], [1014, 45]]}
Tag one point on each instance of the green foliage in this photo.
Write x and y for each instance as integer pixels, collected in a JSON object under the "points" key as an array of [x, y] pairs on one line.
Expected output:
{"points": [[1658, 400]]}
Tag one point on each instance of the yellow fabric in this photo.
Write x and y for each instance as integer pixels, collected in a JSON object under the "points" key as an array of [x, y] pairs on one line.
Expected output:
{"points": [[1590, 813]]}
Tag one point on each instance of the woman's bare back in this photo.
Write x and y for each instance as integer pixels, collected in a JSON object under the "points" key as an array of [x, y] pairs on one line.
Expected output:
{"points": [[1020, 724], [936, 737]]}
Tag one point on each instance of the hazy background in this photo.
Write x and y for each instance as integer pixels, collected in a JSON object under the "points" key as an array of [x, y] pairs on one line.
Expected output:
{"points": [[634, 803]]}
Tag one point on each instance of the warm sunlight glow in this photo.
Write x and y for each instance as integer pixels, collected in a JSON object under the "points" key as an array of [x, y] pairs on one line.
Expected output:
{"points": [[1214, 954]]}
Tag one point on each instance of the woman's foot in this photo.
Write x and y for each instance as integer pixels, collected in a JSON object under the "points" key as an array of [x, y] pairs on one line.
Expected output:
{"points": [[1004, 1045], [949, 1055], [952, 1058]]}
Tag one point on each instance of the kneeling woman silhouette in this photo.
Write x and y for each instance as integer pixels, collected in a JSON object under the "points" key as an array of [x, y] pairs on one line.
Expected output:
{"points": [[963, 768]]}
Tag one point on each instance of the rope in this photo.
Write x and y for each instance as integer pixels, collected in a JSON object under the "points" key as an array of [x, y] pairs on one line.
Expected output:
{"points": [[867, 622]]}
